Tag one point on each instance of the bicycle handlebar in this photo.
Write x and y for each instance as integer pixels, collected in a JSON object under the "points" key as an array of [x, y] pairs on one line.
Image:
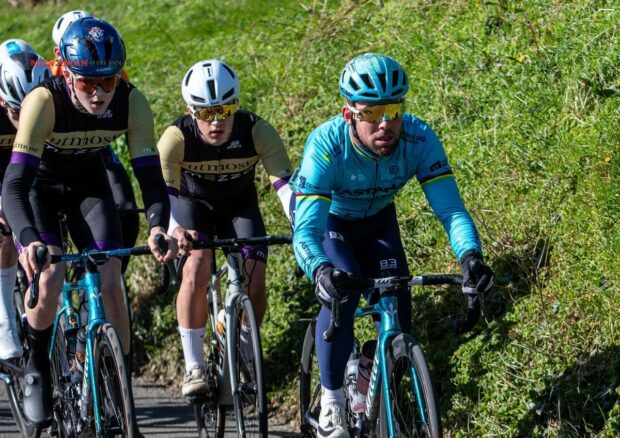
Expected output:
{"points": [[242, 241], [348, 281], [238, 242]]}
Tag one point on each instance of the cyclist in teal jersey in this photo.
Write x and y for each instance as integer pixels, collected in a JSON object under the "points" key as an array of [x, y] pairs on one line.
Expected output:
{"points": [[352, 167]]}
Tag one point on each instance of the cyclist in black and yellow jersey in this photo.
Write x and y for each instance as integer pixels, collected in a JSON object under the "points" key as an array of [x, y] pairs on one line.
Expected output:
{"points": [[21, 69], [208, 159], [56, 164], [120, 182]]}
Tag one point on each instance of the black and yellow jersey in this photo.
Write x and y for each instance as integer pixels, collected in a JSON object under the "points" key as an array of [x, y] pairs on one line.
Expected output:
{"points": [[7, 136], [222, 174], [59, 142], [7, 131]]}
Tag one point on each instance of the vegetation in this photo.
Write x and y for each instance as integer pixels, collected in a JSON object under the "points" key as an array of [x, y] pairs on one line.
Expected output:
{"points": [[525, 97]]}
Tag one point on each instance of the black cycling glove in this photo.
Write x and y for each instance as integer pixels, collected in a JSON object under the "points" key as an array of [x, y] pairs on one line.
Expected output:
{"points": [[477, 276], [326, 288]]}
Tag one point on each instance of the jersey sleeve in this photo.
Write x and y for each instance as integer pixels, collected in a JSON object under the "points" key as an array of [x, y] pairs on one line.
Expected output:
{"points": [[145, 160], [272, 153], [313, 188], [171, 147], [435, 175], [36, 124]]}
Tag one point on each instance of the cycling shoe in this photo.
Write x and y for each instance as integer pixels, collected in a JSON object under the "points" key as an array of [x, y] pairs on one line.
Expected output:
{"points": [[37, 396]]}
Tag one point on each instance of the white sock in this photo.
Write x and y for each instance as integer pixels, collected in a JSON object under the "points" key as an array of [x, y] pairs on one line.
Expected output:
{"points": [[247, 352], [193, 341], [7, 285], [331, 396]]}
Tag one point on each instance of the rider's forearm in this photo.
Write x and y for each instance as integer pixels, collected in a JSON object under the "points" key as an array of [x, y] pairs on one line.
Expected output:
{"points": [[311, 214], [16, 205], [446, 202], [154, 195]]}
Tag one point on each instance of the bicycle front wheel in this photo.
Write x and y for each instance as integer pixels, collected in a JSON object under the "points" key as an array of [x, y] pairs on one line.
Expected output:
{"points": [[412, 399], [210, 416], [113, 385], [249, 397], [14, 384]]}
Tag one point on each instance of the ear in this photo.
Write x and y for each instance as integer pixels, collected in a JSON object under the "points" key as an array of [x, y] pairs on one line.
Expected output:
{"points": [[56, 52], [347, 115]]}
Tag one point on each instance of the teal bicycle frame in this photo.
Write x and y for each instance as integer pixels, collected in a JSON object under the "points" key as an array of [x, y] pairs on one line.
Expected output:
{"points": [[90, 282], [389, 329]]}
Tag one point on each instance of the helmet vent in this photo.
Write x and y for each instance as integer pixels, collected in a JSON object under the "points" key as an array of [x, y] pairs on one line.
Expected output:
{"points": [[367, 80], [354, 84], [189, 75], [92, 49], [381, 77], [198, 98], [108, 48], [394, 77], [211, 87], [232, 73], [228, 94]]}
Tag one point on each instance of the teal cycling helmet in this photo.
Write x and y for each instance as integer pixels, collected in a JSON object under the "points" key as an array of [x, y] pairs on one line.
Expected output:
{"points": [[372, 78]]}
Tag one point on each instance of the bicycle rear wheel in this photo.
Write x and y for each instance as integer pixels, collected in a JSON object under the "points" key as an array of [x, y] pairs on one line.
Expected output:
{"points": [[309, 385], [113, 385], [415, 412], [249, 397]]}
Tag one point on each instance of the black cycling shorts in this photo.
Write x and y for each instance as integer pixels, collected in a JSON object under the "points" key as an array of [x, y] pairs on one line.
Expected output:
{"points": [[213, 221], [92, 217]]}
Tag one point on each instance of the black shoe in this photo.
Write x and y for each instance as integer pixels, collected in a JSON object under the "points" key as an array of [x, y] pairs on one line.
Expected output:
{"points": [[37, 396]]}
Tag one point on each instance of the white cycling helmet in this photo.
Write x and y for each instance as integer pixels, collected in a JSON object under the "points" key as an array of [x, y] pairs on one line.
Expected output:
{"points": [[21, 69], [210, 83], [63, 23]]}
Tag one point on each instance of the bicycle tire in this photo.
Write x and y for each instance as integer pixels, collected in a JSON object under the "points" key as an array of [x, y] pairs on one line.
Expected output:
{"points": [[14, 385], [404, 360], [64, 392], [249, 397], [309, 384], [113, 385], [209, 415]]}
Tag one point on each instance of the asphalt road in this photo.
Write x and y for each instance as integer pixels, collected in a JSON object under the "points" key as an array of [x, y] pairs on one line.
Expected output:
{"points": [[160, 412]]}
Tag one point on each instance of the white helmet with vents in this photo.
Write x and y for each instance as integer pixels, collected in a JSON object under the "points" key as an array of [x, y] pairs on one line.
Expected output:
{"points": [[63, 23], [210, 83], [21, 69]]}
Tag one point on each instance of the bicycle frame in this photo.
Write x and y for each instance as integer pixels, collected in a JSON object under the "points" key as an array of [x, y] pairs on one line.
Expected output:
{"points": [[234, 288], [91, 283], [387, 307]]}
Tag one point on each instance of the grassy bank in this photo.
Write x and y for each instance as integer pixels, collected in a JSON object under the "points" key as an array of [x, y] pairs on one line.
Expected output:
{"points": [[526, 99]]}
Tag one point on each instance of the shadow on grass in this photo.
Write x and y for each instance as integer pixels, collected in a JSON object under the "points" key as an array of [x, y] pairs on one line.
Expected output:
{"points": [[579, 400], [517, 275]]}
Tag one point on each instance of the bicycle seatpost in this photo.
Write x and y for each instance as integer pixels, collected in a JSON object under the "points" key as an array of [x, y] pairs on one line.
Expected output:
{"points": [[40, 256]]}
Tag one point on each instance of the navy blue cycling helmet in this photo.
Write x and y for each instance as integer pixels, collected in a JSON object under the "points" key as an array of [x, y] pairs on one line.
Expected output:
{"points": [[92, 47], [372, 78]]}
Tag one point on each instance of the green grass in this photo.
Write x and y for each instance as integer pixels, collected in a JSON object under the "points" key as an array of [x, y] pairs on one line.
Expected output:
{"points": [[525, 97]]}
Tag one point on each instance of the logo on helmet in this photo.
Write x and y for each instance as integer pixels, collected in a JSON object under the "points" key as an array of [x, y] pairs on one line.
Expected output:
{"points": [[96, 33]]}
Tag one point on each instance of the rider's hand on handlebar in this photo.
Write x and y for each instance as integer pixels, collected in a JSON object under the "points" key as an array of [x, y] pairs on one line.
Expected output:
{"points": [[185, 239], [28, 259], [327, 287], [477, 276], [172, 245]]}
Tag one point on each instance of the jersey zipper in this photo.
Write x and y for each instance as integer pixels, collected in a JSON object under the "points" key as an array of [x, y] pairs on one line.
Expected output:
{"points": [[374, 194]]}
